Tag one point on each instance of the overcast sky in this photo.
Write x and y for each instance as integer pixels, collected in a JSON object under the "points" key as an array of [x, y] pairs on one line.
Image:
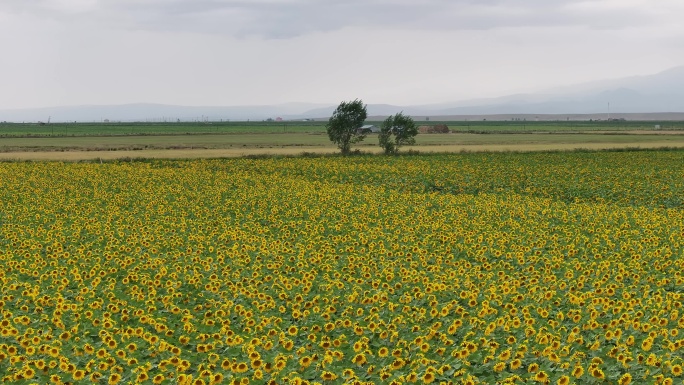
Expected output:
{"points": [[244, 52]]}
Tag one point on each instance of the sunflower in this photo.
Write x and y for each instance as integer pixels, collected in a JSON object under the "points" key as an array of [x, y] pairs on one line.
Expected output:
{"points": [[598, 373], [78, 375], [647, 344], [626, 379], [383, 352], [359, 359], [258, 375], [428, 377], [541, 376], [328, 376], [88, 349], [114, 378], [305, 361], [240, 368], [577, 372], [28, 373]]}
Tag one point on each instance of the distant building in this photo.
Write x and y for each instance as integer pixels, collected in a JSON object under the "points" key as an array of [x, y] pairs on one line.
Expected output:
{"points": [[369, 128], [279, 119]]}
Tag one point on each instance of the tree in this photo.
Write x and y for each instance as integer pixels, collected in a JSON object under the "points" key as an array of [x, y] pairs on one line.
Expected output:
{"points": [[343, 126], [396, 131]]}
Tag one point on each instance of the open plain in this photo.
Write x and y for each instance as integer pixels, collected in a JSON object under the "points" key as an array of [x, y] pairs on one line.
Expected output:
{"points": [[88, 142]]}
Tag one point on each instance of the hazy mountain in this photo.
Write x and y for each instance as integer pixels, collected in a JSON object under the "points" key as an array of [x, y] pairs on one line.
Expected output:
{"points": [[661, 92], [665, 82], [154, 112]]}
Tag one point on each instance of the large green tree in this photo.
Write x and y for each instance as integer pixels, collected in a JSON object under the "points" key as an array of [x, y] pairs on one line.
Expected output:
{"points": [[396, 131], [343, 126]]}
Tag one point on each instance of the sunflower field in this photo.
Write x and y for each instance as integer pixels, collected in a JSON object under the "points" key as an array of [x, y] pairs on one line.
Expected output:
{"points": [[549, 268]]}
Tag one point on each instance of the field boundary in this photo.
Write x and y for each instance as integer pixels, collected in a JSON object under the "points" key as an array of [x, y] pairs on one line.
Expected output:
{"points": [[109, 155]]}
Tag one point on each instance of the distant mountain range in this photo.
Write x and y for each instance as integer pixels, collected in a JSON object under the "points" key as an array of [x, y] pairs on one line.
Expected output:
{"points": [[659, 93], [156, 113]]}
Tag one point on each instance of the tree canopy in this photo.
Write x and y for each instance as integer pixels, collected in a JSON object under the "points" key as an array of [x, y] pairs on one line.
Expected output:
{"points": [[343, 126], [396, 131]]}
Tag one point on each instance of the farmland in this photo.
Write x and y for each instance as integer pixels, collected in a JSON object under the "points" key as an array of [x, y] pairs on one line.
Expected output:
{"points": [[192, 128], [304, 140], [223, 139], [465, 268]]}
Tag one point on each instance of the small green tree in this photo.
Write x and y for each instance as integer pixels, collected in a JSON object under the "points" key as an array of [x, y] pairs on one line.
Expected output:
{"points": [[343, 126], [396, 131]]}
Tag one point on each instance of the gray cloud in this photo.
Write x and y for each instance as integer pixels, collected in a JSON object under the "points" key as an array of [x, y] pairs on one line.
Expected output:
{"points": [[291, 18], [230, 52]]}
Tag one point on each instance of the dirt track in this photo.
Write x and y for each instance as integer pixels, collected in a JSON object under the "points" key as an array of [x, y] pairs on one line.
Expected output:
{"points": [[231, 153]]}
